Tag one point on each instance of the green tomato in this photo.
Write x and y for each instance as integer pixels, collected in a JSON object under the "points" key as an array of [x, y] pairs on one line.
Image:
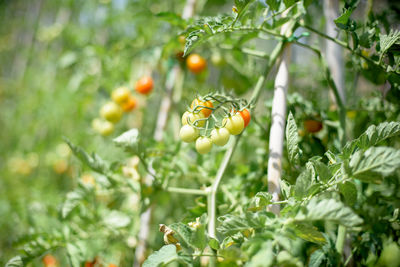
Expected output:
{"points": [[103, 127], [220, 136], [111, 112], [203, 145], [192, 117], [188, 133], [217, 60], [234, 124], [390, 256]]}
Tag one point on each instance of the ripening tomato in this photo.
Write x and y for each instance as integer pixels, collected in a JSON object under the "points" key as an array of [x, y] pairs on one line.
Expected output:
{"points": [[192, 117], [234, 124], [312, 126], [196, 63], [245, 113], [120, 95], [49, 260], [203, 144], [144, 85], [111, 112], [112, 265], [220, 136], [206, 110], [188, 133], [130, 104]]}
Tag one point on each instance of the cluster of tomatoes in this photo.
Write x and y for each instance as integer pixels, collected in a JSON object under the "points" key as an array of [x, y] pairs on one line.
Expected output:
{"points": [[122, 101], [194, 120]]}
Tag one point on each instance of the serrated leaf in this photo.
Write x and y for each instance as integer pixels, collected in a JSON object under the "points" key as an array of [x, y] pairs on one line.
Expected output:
{"points": [[386, 41], [116, 219], [94, 161], [73, 199], [328, 210], [15, 262], [317, 258], [260, 201], [165, 255], [128, 140], [308, 232], [273, 4], [241, 4], [349, 192], [372, 136], [264, 256], [188, 237], [231, 224], [74, 253], [375, 162], [292, 140], [303, 184], [323, 171]]}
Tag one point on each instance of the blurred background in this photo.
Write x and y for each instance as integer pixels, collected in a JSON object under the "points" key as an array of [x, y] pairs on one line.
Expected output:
{"points": [[59, 62]]}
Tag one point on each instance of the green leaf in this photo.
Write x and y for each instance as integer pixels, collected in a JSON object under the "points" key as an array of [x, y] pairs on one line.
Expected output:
{"points": [[116, 219], [292, 140], [15, 262], [213, 243], [264, 257], [241, 4], [303, 184], [163, 256], [386, 41], [372, 136], [273, 4], [231, 224], [343, 19], [328, 210], [317, 258], [172, 18], [375, 162], [188, 237], [75, 254], [349, 192], [94, 161], [260, 201], [308, 232], [128, 140], [323, 171], [74, 198]]}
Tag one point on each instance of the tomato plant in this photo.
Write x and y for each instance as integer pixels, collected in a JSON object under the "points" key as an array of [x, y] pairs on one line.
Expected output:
{"points": [[180, 176]]}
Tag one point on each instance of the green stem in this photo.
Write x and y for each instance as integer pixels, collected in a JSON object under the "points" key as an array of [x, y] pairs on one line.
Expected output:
{"points": [[188, 191], [340, 239]]}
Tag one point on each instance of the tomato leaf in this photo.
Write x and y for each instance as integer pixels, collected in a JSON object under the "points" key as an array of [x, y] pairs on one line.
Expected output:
{"points": [[15, 262], [303, 185], [349, 192], [308, 232], [163, 256], [292, 140]]}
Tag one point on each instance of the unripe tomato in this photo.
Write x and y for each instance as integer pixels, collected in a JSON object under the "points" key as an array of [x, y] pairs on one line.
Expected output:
{"points": [[188, 133], [203, 145], [144, 85], [312, 126], [103, 127], [192, 117], [390, 256], [120, 95], [245, 113], [234, 124], [182, 39], [130, 104], [220, 136], [49, 260], [196, 63], [206, 111], [217, 59], [111, 112]]}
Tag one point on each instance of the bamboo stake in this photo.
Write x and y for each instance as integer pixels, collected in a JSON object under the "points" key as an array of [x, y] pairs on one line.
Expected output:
{"points": [[162, 119]]}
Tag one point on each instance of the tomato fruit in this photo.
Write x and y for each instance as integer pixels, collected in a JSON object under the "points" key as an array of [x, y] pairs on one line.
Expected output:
{"points": [[312, 126], [245, 113], [111, 112], [144, 85], [182, 39], [49, 260], [188, 133], [206, 111], [390, 255], [196, 63], [220, 136], [217, 60], [130, 104], [192, 117], [104, 128], [203, 144], [234, 124], [120, 95]]}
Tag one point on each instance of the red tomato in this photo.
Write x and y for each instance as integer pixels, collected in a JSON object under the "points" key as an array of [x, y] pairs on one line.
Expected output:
{"points": [[245, 113], [49, 260], [144, 85], [130, 104]]}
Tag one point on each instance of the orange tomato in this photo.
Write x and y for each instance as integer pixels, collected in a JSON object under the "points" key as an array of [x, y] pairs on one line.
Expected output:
{"points": [[312, 126], [49, 260], [206, 112], [112, 265], [196, 63], [130, 104], [144, 85], [245, 113]]}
